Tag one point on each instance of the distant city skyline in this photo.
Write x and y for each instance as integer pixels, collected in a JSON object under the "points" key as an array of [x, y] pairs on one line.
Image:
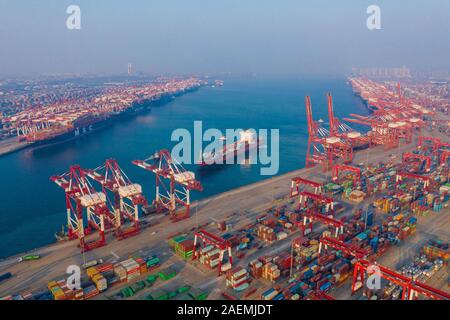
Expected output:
{"points": [[321, 37]]}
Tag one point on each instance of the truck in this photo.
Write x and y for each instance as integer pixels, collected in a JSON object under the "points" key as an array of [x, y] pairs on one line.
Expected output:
{"points": [[92, 263], [29, 257]]}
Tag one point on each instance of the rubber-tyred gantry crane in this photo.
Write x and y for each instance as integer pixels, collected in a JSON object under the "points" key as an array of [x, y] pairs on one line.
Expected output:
{"points": [[425, 142], [298, 181], [318, 200], [337, 168], [127, 196], [445, 154], [348, 249], [207, 238], [408, 156], [401, 175], [173, 183], [319, 295], [81, 196], [410, 288], [313, 215]]}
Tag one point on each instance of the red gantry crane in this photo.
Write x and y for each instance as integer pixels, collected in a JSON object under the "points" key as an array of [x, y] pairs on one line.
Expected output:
{"points": [[322, 147], [427, 142], [173, 183], [445, 154], [315, 216], [219, 243], [408, 156], [362, 266], [410, 288], [348, 249], [318, 200], [298, 181], [81, 196], [317, 150], [382, 133], [337, 168], [127, 196], [350, 137], [424, 179]]}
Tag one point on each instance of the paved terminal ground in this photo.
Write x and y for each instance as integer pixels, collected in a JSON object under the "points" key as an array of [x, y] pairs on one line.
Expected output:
{"points": [[247, 201], [11, 145]]}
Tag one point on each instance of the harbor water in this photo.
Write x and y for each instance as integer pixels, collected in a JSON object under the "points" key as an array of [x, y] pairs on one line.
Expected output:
{"points": [[32, 207]]}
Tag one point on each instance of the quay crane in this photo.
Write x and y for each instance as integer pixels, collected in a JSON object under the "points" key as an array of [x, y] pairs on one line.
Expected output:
{"points": [[350, 137], [173, 183], [81, 196], [322, 148], [127, 196]]}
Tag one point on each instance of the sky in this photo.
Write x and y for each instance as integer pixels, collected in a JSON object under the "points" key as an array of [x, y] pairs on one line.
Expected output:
{"points": [[325, 37]]}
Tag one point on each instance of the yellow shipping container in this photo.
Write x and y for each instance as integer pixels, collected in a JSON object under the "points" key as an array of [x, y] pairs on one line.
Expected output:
{"points": [[92, 271], [97, 277], [51, 284]]}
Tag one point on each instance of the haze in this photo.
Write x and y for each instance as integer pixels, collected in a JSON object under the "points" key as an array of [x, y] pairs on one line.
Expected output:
{"points": [[325, 37]]}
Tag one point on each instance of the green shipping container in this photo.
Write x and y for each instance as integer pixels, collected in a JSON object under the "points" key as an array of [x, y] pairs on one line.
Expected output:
{"points": [[127, 292], [159, 295], [184, 289], [152, 278], [167, 274], [197, 294]]}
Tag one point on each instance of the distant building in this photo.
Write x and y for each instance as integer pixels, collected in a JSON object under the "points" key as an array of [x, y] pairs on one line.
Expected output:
{"points": [[402, 72], [130, 69]]}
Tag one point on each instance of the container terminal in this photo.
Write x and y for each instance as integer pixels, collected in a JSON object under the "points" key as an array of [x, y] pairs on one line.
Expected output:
{"points": [[366, 204], [58, 118]]}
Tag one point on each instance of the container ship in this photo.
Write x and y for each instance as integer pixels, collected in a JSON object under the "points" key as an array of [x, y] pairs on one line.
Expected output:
{"points": [[60, 133], [246, 142], [72, 118]]}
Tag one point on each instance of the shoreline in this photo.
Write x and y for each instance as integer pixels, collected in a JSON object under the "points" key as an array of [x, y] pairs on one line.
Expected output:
{"points": [[360, 154], [11, 145], [56, 256]]}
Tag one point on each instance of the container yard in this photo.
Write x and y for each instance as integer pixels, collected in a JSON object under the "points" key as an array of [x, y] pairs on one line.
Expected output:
{"points": [[366, 204], [55, 117]]}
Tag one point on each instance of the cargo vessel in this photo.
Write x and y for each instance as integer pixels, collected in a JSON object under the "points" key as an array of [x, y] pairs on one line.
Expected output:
{"points": [[247, 141], [61, 133], [89, 123]]}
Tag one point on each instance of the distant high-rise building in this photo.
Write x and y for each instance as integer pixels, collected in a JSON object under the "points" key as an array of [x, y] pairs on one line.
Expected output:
{"points": [[402, 72], [130, 69]]}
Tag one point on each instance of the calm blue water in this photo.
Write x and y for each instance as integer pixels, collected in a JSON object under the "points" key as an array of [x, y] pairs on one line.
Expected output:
{"points": [[33, 208]]}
